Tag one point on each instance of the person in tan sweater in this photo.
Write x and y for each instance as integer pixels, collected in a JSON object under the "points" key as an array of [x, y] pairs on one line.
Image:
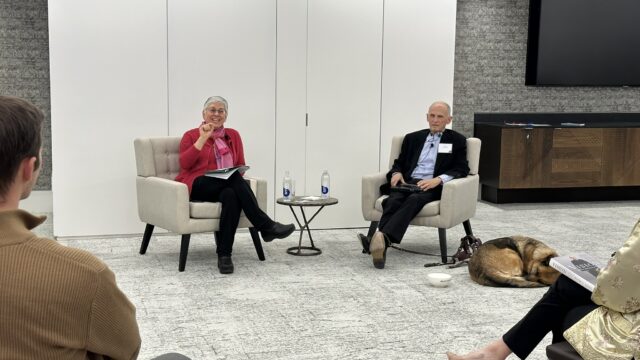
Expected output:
{"points": [[56, 302]]}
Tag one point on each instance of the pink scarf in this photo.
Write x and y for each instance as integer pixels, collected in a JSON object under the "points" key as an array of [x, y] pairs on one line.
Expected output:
{"points": [[222, 152]]}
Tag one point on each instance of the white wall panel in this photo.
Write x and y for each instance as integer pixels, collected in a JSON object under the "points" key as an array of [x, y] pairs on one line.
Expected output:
{"points": [[291, 99], [108, 86], [344, 69], [226, 48], [419, 45], [123, 69]]}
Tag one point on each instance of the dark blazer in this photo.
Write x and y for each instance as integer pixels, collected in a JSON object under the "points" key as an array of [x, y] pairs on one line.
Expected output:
{"points": [[453, 164]]}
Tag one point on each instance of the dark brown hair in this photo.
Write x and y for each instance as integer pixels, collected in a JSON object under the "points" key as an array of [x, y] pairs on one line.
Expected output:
{"points": [[20, 129]]}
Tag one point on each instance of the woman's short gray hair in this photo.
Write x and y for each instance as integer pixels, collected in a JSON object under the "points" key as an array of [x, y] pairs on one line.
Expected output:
{"points": [[214, 99]]}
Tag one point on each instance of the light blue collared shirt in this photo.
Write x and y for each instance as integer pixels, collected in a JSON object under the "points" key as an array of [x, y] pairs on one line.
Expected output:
{"points": [[427, 161]]}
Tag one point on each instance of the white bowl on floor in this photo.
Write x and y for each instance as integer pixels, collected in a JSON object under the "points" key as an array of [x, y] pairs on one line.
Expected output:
{"points": [[439, 279]]}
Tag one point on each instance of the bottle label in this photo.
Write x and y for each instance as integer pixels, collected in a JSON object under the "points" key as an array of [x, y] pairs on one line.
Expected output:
{"points": [[286, 193], [325, 190]]}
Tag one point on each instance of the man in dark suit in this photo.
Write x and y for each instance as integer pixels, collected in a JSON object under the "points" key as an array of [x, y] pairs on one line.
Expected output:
{"points": [[428, 159]]}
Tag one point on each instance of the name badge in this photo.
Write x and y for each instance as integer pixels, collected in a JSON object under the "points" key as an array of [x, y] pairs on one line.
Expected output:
{"points": [[445, 148]]}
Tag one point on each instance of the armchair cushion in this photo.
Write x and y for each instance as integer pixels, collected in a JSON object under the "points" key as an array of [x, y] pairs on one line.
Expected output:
{"points": [[158, 157], [205, 210]]}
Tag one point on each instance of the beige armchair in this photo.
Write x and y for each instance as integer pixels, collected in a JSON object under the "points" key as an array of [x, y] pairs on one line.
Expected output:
{"points": [[457, 205], [165, 203]]}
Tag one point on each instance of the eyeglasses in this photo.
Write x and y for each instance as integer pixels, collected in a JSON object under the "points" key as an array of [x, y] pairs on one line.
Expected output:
{"points": [[216, 111]]}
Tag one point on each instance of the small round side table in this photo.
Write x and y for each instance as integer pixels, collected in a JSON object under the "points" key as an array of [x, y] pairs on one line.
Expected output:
{"points": [[301, 202]]}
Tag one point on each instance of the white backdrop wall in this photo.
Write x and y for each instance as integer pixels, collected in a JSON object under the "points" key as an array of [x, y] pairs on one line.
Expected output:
{"points": [[226, 48], [291, 100], [363, 70], [343, 102], [108, 64], [419, 45], [360, 84]]}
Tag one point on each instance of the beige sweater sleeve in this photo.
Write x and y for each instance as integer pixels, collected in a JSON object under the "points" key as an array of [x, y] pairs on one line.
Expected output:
{"points": [[113, 331]]}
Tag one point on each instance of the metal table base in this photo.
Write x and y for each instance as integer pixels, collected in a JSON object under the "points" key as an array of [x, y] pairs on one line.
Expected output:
{"points": [[297, 250], [302, 202]]}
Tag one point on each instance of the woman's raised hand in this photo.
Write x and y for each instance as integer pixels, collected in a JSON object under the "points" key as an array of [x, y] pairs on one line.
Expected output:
{"points": [[205, 130]]}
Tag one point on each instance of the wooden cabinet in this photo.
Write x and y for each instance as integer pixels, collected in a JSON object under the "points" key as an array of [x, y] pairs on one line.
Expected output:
{"points": [[523, 157], [558, 163], [621, 157]]}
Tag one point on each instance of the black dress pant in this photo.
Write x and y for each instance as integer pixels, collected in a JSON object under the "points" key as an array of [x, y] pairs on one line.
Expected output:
{"points": [[562, 305], [236, 195], [400, 208]]}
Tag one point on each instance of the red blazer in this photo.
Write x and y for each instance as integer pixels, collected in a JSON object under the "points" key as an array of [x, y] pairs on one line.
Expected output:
{"points": [[194, 162]]}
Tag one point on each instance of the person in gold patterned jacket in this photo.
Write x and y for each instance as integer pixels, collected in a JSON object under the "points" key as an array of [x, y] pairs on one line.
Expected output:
{"points": [[612, 330], [604, 324]]}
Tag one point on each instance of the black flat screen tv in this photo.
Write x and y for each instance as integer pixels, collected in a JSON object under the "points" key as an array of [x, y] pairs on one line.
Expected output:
{"points": [[583, 43]]}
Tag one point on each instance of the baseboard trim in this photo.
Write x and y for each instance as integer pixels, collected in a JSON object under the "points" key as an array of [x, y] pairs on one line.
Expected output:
{"points": [[605, 193], [40, 201]]}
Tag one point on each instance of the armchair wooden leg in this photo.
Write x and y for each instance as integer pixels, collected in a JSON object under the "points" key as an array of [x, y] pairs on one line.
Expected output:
{"points": [[148, 230], [442, 234], [372, 228], [467, 227], [257, 243], [184, 250]]}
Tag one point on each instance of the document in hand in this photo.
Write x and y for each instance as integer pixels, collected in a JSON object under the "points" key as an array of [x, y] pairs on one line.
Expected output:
{"points": [[225, 173], [580, 268]]}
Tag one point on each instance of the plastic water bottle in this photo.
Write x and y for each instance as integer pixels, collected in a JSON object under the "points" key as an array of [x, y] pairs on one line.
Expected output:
{"points": [[324, 184], [286, 186]]}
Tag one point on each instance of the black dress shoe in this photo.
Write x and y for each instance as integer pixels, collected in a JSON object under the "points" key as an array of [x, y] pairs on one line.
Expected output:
{"points": [[277, 231], [225, 265], [364, 240]]}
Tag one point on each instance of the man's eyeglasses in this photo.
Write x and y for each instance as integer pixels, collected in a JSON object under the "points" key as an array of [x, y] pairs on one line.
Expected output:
{"points": [[216, 111]]}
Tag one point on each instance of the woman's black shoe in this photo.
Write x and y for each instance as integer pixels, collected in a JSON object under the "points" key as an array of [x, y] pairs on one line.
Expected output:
{"points": [[225, 265], [277, 231]]}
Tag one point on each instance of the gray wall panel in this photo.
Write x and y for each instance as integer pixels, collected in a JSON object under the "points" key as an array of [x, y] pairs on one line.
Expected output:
{"points": [[24, 64], [491, 48]]}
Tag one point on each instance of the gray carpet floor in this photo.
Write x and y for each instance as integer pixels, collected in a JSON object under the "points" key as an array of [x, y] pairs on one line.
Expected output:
{"points": [[336, 305]]}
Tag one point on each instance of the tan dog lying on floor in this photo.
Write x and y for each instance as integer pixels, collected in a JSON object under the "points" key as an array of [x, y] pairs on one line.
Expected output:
{"points": [[517, 261]]}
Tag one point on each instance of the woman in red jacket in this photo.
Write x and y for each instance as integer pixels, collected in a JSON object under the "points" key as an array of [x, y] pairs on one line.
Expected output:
{"points": [[212, 146]]}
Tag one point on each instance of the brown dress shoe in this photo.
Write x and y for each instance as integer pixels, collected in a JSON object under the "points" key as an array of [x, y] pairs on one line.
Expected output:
{"points": [[378, 250]]}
